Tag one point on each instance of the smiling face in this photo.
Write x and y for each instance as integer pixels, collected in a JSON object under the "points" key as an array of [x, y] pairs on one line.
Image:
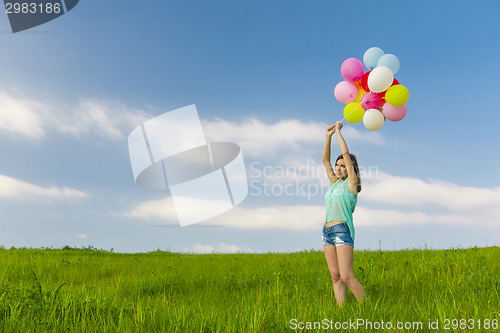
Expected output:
{"points": [[340, 169]]}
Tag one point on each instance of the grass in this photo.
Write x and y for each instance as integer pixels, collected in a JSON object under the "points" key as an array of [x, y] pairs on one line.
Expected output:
{"points": [[89, 290]]}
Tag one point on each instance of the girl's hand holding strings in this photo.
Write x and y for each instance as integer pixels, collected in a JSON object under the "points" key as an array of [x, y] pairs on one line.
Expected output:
{"points": [[330, 130], [338, 125]]}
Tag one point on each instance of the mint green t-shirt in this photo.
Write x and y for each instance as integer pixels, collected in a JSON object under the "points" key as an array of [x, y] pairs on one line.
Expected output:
{"points": [[340, 204]]}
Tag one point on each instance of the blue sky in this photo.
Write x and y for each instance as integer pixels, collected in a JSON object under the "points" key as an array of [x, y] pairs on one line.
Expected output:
{"points": [[261, 75]]}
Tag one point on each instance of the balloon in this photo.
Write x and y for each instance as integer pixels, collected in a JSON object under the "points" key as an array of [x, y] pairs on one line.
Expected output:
{"points": [[373, 119], [380, 79], [377, 91], [394, 113], [360, 95], [353, 112], [352, 69], [364, 81], [371, 100], [371, 57], [382, 94], [345, 92], [397, 95], [390, 61]]}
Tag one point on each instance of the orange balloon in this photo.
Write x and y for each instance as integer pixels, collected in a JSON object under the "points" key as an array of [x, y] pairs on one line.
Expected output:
{"points": [[360, 94]]}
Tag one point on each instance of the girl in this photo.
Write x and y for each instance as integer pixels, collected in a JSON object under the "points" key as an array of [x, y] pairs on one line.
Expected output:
{"points": [[338, 231]]}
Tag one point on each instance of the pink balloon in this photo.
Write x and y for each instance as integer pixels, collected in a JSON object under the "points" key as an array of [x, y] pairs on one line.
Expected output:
{"points": [[371, 101], [352, 69], [345, 92], [394, 113]]}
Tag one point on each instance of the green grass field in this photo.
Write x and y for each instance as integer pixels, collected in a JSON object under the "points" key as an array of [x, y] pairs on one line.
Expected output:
{"points": [[88, 290]]}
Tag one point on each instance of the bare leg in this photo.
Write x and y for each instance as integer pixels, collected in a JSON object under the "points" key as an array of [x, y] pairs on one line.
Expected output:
{"points": [[345, 258], [333, 267]]}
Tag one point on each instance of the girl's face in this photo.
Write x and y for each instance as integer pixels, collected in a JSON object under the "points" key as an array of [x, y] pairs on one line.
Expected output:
{"points": [[340, 169]]}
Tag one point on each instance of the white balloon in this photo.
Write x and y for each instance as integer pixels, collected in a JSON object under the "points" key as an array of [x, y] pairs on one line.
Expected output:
{"points": [[380, 79], [373, 119]]}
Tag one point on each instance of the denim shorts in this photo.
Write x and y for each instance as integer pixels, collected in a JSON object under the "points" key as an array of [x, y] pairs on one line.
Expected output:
{"points": [[337, 235]]}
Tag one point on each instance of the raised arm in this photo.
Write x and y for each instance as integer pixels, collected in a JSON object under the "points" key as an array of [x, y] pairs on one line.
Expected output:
{"points": [[352, 177], [326, 154]]}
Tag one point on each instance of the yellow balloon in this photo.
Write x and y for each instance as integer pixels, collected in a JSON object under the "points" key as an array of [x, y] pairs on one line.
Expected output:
{"points": [[353, 112], [397, 95]]}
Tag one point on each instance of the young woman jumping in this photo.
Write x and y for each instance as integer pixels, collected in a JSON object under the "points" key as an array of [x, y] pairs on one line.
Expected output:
{"points": [[338, 230]]}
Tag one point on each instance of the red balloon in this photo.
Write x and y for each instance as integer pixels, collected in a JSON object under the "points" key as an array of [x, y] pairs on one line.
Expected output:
{"points": [[382, 94], [364, 81]]}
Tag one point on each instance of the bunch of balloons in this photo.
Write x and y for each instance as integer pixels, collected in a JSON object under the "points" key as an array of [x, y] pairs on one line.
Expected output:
{"points": [[375, 95]]}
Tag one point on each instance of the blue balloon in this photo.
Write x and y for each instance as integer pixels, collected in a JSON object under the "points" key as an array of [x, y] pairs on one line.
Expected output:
{"points": [[371, 57], [389, 60]]}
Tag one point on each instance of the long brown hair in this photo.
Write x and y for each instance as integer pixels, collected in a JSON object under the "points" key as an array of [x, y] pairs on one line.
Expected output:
{"points": [[356, 168]]}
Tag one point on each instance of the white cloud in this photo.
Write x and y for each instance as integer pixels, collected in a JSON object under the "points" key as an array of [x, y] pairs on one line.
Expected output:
{"points": [[20, 116], [414, 192], [11, 188], [32, 119], [283, 217], [311, 217], [298, 218], [97, 117], [402, 201], [219, 247], [162, 209], [393, 217], [290, 135], [81, 236], [28, 118]]}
